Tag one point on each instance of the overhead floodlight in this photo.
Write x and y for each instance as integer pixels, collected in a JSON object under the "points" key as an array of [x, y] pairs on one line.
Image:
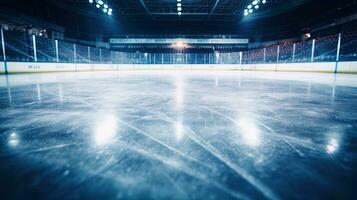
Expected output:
{"points": [[179, 13], [264, 1], [178, 0], [90, 1], [249, 6], [106, 6], [179, 4], [179, 8], [109, 13], [246, 13], [98, 6], [179, 45], [100, 2], [256, 6], [255, 2], [105, 10], [250, 10], [110, 10]]}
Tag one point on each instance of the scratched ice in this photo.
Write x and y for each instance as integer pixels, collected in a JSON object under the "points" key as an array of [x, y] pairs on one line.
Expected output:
{"points": [[178, 135]]}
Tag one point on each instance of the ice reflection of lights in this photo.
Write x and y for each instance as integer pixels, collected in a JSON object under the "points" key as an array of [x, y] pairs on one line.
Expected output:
{"points": [[105, 130], [250, 132], [179, 93], [13, 139], [332, 146], [39, 93], [179, 131]]}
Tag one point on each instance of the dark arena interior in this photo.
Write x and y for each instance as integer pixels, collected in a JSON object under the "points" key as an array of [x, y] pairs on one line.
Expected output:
{"points": [[178, 99]]}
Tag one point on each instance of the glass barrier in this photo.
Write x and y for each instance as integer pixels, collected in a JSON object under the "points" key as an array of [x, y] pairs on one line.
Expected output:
{"points": [[348, 50], [22, 47], [82, 54], [286, 52], [271, 55], [326, 49], [303, 51], [46, 50], [18, 46], [66, 52]]}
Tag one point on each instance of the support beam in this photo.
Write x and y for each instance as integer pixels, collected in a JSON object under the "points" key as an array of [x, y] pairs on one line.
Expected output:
{"points": [[278, 54], [240, 57], [74, 53], [313, 50], [89, 54], [56, 46], [34, 48], [294, 49], [338, 52], [214, 7], [145, 7], [3, 48]]}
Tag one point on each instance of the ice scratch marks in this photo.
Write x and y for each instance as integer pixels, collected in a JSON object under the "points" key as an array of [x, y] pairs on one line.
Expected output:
{"points": [[146, 134], [261, 124], [49, 148], [163, 144], [215, 152], [182, 167], [243, 173]]}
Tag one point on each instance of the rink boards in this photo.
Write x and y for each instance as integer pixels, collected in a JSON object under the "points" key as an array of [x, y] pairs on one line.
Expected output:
{"points": [[32, 67]]}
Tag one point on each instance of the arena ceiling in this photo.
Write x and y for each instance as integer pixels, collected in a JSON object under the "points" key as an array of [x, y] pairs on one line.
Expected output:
{"points": [[192, 10], [198, 16]]}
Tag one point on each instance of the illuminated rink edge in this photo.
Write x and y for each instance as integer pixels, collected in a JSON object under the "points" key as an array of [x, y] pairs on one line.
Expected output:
{"points": [[31, 67], [323, 78]]}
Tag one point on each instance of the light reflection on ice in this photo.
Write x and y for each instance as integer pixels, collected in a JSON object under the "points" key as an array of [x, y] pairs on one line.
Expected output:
{"points": [[332, 146], [13, 139], [105, 129], [249, 131], [179, 131], [179, 93]]}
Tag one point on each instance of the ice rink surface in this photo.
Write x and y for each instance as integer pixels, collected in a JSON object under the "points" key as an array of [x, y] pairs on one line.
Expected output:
{"points": [[178, 135]]}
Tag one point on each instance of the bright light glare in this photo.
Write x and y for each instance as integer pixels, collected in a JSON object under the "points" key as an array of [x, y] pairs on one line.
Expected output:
{"points": [[179, 134], [264, 1], [90, 1], [13, 139], [105, 130], [332, 146], [98, 6], [179, 45], [100, 2], [255, 2], [250, 132], [249, 6], [106, 6], [179, 8], [256, 6], [179, 13], [178, 4]]}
